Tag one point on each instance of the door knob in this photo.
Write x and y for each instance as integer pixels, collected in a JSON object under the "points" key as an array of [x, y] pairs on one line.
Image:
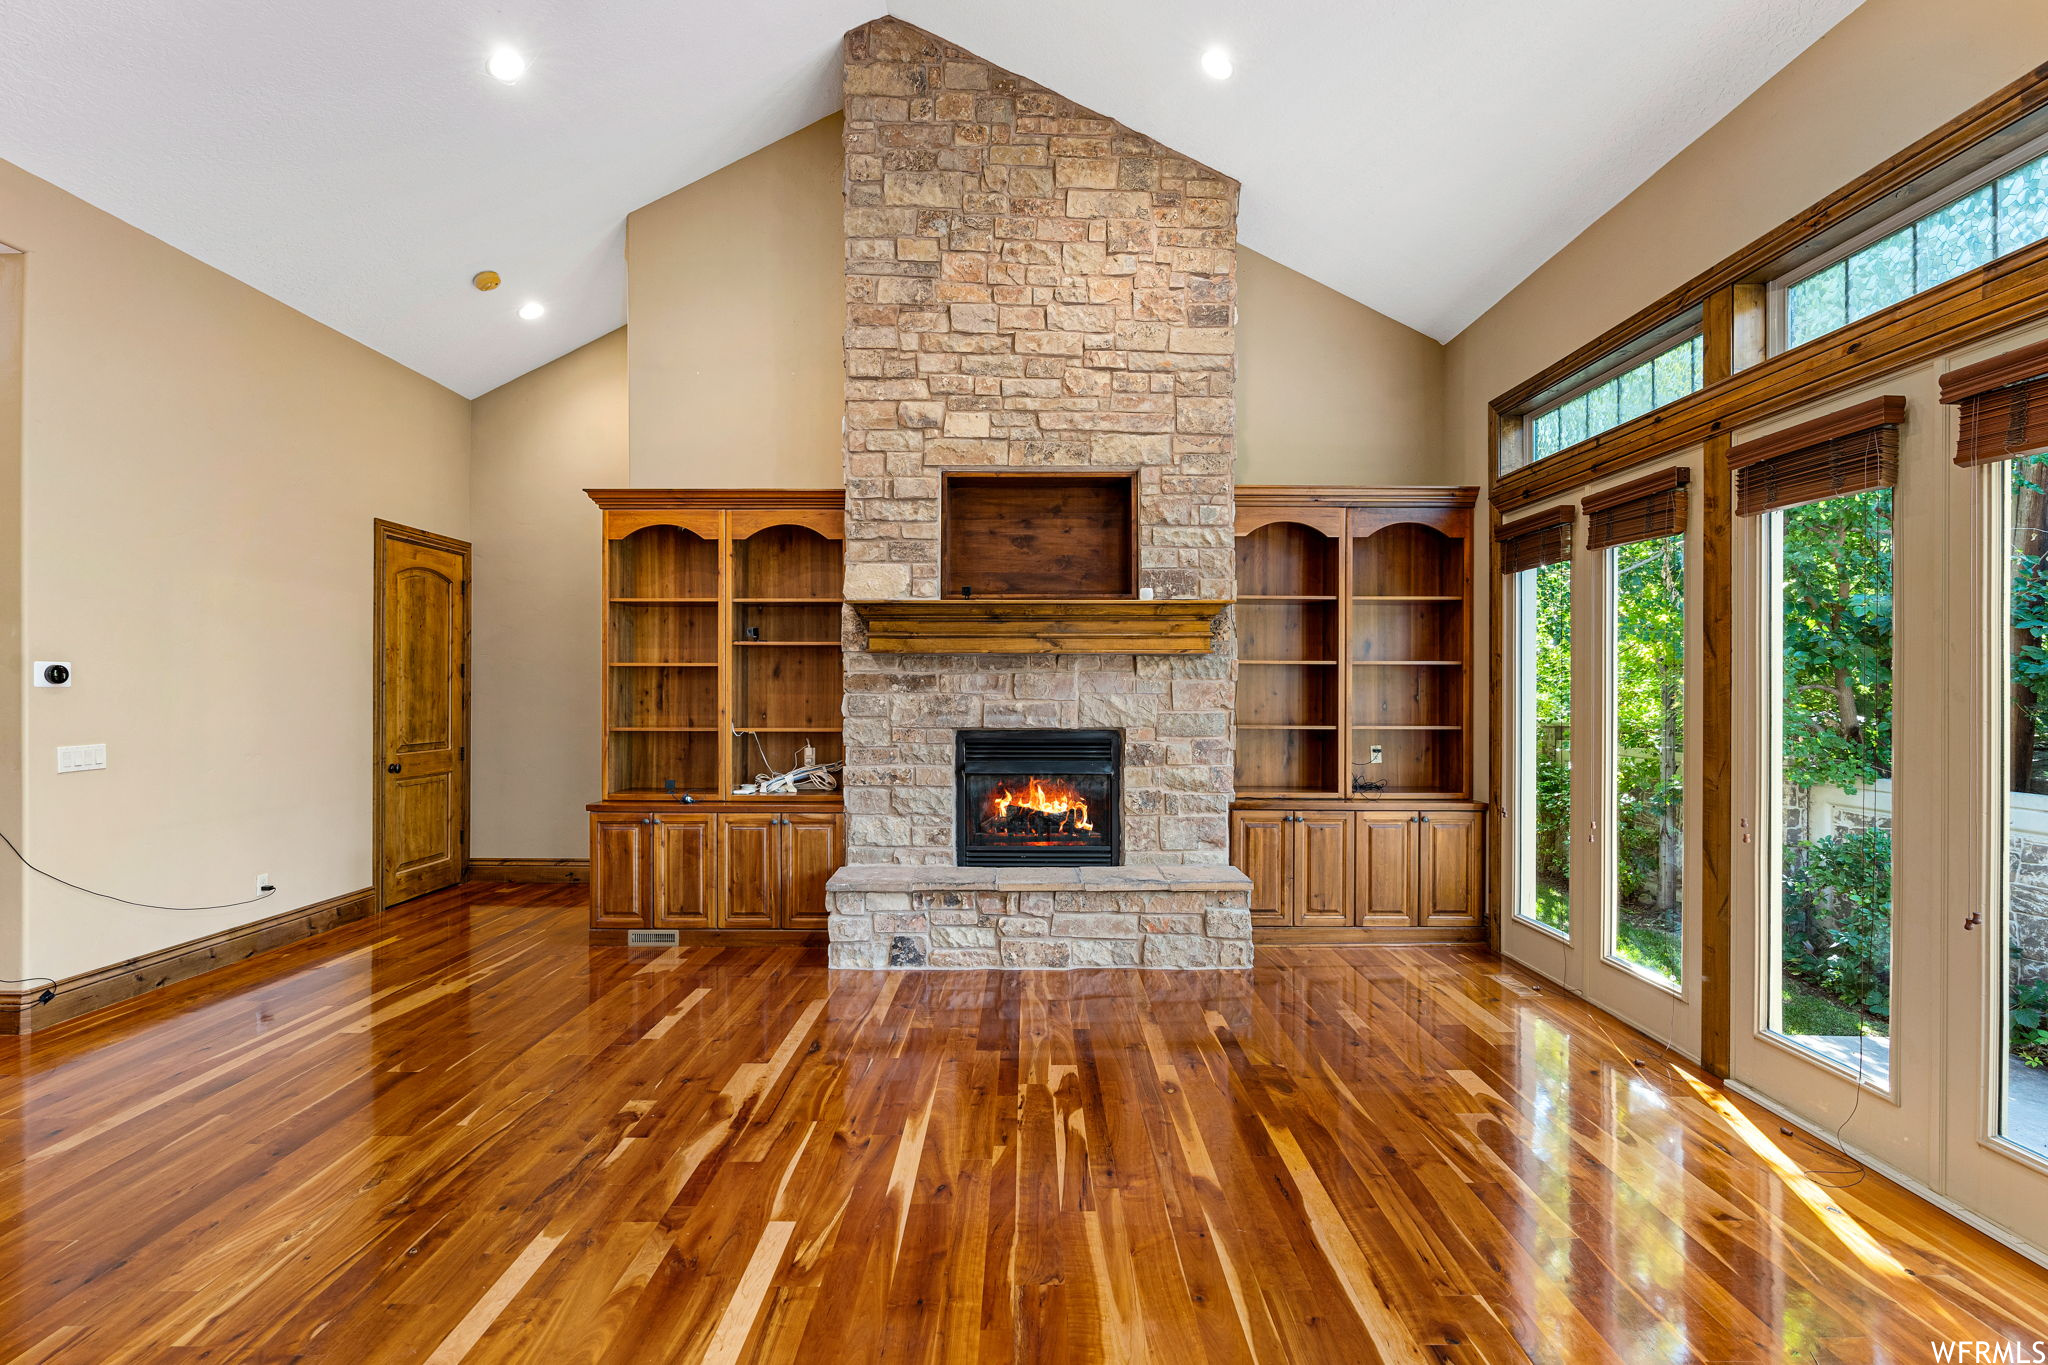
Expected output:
{"points": [[393, 767], [1976, 918]]}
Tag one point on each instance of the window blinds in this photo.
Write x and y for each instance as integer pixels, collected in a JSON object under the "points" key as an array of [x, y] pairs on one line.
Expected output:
{"points": [[1642, 509], [1849, 451], [2003, 404], [1532, 542]]}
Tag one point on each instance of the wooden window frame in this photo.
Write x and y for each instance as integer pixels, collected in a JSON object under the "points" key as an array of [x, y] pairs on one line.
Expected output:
{"points": [[1744, 383], [1937, 193], [1674, 333]]}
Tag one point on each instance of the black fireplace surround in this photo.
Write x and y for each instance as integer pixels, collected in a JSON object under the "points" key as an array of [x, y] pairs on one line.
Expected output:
{"points": [[1044, 798]]}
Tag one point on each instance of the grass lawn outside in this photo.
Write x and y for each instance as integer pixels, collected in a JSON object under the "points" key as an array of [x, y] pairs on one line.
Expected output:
{"points": [[1809, 1013]]}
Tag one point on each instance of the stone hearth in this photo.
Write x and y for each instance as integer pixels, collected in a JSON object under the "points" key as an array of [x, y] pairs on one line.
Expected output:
{"points": [[1040, 917], [1032, 286]]}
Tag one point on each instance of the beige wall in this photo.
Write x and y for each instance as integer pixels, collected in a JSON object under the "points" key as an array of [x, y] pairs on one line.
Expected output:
{"points": [[13, 924], [536, 444], [1330, 391], [734, 299], [734, 305], [1885, 76], [201, 466]]}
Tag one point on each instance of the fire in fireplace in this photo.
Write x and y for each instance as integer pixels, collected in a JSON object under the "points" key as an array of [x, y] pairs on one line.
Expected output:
{"points": [[1038, 797]]}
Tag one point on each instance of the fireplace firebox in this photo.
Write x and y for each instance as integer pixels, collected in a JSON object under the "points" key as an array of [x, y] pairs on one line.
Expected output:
{"points": [[1039, 798]]}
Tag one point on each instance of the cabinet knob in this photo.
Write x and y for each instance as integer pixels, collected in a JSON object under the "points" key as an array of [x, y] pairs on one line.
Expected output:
{"points": [[394, 767]]}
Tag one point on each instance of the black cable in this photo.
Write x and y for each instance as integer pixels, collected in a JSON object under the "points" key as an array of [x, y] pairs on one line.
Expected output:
{"points": [[265, 894]]}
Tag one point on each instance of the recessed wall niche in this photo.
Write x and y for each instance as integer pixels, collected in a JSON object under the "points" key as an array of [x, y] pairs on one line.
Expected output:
{"points": [[1039, 535]]}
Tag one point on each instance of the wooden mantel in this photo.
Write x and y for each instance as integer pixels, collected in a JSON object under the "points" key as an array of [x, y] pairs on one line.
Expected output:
{"points": [[956, 625]]}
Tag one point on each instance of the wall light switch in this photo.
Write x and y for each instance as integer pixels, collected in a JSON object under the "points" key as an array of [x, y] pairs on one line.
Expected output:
{"points": [[79, 758], [49, 673]]}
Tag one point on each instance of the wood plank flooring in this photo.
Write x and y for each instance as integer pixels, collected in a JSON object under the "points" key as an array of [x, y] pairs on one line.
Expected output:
{"points": [[461, 1132]]}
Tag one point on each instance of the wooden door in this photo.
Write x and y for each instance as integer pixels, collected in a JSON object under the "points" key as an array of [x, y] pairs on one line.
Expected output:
{"points": [[420, 822], [1384, 894], [685, 859], [1259, 848], [618, 872], [1450, 845], [1322, 870], [813, 848], [747, 864]]}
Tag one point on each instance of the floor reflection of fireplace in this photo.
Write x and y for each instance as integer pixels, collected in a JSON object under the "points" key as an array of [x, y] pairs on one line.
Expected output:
{"points": [[1039, 797]]}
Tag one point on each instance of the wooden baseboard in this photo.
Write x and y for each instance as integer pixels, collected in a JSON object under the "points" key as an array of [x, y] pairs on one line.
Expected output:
{"points": [[551, 870], [729, 938], [1289, 936], [21, 1011]]}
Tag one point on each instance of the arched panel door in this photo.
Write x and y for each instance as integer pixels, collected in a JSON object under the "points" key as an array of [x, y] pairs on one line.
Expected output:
{"points": [[422, 713]]}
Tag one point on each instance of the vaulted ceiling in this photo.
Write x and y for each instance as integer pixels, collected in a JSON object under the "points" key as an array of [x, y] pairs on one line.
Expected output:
{"points": [[355, 161]]}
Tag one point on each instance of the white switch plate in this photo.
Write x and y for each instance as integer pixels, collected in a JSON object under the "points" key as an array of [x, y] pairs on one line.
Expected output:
{"points": [[78, 758], [43, 666]]}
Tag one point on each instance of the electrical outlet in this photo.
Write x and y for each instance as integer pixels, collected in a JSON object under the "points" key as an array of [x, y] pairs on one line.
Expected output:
{"points": [[1379, 755], [79, 758], [263, 883]]}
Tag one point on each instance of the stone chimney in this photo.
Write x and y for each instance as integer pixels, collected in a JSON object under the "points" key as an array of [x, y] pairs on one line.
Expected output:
{"points": [[1032, 286]]}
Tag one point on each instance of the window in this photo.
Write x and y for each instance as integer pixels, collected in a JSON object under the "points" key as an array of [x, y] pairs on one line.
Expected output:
{"points": [[1824, 491], [1832, 975], [1547, 744], [1669, 375], [1535, 555], [2025, 1112], [1992, 220], [1649, 755]]}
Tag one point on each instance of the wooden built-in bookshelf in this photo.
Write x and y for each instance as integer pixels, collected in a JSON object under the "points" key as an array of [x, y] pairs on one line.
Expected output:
{"points": [[1353, 695], [721, 643]]}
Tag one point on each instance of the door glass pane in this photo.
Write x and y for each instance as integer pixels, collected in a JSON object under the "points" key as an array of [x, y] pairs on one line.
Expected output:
{"points": [[1834, 768], [1649, 749], [2026, 835], [1547, 742]]}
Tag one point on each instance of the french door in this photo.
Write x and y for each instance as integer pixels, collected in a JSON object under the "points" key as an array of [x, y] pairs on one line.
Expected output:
{"points": [[1996, 928], [1891, 815], [1599, 666]]}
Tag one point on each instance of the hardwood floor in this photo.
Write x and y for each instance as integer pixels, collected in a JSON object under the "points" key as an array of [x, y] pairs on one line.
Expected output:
{"points": [[462, 1132]]}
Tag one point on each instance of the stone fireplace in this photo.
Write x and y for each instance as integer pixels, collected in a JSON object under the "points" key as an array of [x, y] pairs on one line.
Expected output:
{"points": [[1033, 288]]}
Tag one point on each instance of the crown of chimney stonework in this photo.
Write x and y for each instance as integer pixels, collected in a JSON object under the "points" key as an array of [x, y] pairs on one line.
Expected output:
{"points": [[1032, 286], [1029, 285]]}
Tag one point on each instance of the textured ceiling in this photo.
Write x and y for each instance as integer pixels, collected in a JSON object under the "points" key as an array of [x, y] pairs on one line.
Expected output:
{"points": [[354, 160]]}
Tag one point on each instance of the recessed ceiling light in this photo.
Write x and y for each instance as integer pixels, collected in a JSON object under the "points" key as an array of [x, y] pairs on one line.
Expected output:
{"points": [[533, 310], [1216, 62], [508, 64]]}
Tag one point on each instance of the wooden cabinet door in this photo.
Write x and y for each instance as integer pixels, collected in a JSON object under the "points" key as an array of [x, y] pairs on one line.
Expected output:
{"points": [[1259, 843], [1322, 870], [813, 848], [747, 869], [1450, 868], [618, 872], [1384, 894], [685, 889]]}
